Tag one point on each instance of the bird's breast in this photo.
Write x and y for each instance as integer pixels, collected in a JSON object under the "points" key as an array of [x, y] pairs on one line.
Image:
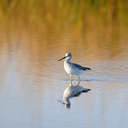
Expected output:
{"points": [[68, 67]]}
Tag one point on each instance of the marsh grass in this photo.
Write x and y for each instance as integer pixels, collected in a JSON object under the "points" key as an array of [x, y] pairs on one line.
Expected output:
{"points": [[63, 11], [93, 23]]}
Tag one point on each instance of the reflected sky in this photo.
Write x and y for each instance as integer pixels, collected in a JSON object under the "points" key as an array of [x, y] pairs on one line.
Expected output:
{"points": [[32, 81]]}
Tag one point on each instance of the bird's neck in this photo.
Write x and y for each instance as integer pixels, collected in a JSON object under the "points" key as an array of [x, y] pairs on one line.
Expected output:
{"points": [[68, 60]]}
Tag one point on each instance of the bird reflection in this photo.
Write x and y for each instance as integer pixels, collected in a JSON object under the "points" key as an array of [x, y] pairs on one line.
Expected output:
{"points": [[72, 91]]}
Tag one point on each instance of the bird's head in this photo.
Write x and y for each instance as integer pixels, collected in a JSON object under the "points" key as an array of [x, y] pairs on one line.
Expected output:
{"points": [[67, 56]]}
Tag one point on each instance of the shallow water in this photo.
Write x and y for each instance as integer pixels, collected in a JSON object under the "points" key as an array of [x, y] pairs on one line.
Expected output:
{"points": [[32, 82]]}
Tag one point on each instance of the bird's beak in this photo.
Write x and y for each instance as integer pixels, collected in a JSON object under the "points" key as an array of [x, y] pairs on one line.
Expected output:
{"points": [[62, 58]]}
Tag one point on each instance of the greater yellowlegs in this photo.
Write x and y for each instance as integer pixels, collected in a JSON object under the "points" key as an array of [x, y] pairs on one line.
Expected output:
{"points": [[72, 68], [72, 91]]}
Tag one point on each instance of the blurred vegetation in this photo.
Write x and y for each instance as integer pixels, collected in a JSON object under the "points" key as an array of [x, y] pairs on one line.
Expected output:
{"points": [[63, 12], [58, 15], [93, 23], [97, 26]]}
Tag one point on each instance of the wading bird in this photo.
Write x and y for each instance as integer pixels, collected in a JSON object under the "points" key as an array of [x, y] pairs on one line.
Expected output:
{"points": [[72, 68]]}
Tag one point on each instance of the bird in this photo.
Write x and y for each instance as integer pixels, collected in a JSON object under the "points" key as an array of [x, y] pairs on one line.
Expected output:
{"points": [[72, 91], [73, 68]]}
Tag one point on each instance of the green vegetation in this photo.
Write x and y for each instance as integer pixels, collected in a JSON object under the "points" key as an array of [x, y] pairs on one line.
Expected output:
{"points": [[56, 11], [58, 15], [93, 23]]}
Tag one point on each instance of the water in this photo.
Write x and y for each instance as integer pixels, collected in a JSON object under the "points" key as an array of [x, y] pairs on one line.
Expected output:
{"points": [[32, 80]]}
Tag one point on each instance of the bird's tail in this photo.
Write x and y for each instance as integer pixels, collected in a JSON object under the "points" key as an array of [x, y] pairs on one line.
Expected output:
{"points": [[86, 90], [86, 68]]}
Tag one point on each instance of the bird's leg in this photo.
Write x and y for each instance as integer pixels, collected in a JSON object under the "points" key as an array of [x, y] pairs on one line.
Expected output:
{"points": [[78, 80], [71, 80]]}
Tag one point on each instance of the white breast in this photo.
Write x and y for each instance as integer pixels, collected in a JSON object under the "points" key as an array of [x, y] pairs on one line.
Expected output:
{"points": [[67, 67], [70, 69]]}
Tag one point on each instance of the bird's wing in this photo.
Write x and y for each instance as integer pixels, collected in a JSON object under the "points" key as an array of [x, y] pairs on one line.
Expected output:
{"points": [[81, 67], [77, 90]]}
